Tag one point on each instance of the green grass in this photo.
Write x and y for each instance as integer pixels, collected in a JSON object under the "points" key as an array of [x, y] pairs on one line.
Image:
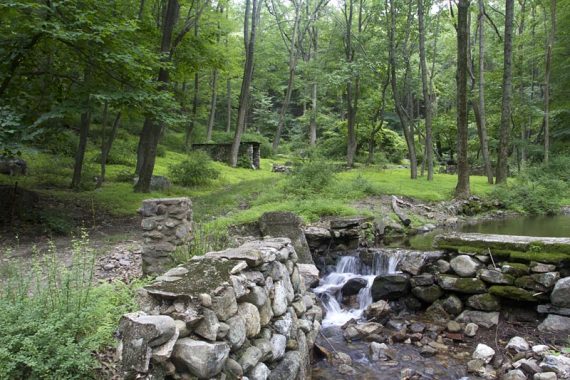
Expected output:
{"points": [[241, 195]]}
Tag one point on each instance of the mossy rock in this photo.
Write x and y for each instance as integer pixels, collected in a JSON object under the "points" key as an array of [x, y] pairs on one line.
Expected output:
{"points": [[527, 282], [513, 293], [515, 269], [462, 285], [544, 257], [484, 302]]}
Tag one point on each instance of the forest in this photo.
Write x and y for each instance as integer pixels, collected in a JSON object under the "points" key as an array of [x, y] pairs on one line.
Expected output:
{"points": [[453, 110]]}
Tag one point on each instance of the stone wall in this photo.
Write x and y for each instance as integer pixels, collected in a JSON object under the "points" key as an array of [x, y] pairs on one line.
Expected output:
{"points": [[238, 313], [167, 225], [474, 277]]}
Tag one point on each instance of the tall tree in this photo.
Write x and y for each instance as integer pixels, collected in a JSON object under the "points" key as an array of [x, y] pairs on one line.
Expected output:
{"points": [[462, 189], [426, 91], [503, 151], [547, 72], [253, 16]]}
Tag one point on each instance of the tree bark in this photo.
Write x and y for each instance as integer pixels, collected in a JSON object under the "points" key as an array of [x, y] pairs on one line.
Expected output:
{"points": [[503, 152], [253, 7], [80, 153], [228, 105], [426, 92], [190, 127], [292, 67], [462, 189], [106, 148], [547, 80], [213, 100], [480, 110]]}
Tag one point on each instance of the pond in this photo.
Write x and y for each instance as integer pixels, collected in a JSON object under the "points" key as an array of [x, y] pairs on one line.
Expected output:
{"points": [[550, 226]]}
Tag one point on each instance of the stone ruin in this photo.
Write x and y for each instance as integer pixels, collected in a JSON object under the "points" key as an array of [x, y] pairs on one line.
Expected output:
{"points": [[167, 225], [226, 315]]}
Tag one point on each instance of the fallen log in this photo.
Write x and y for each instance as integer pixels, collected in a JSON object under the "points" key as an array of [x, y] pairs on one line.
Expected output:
{"points": [[401, 215]]}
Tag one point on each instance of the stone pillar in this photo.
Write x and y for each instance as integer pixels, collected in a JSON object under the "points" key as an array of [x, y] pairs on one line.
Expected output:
{"points": [[167, 225]]}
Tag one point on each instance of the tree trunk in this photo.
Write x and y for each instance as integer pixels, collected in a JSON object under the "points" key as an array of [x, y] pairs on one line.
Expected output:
{"points": [[480, 110], [426, 93], [462, 189], [547, 80], [313, 121], [151, 130], [503, 153], [213, 100], [292, 67], [228, 105], [106, 148], [249, 42], [80, 153]]}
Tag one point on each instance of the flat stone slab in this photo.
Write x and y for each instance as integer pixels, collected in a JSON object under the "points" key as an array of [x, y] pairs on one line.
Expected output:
{"points": [[341, 223], [213, 273], [254, 253], [519, 243]]}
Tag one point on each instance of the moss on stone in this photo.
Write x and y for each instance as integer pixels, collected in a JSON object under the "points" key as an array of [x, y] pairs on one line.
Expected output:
{"points": [[544, 257], [512, 293], [516, 269]]}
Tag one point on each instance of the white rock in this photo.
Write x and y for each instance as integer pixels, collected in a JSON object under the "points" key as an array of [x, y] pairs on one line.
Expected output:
{"points": [[483, 352], [278, 344], [540, 349], [260, 372], [517, 344], [545, 376], [471, 329], [556, 363], [515, 374]]}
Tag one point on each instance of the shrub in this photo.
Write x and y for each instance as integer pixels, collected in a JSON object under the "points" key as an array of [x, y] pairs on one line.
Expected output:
{"points": [[52, 319], [123, 152], [311, 177], [533, 197], [197, 169], [58, 141]]}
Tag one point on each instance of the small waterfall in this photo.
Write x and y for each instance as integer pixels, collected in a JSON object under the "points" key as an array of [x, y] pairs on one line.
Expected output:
{"points": [[348, 268]]}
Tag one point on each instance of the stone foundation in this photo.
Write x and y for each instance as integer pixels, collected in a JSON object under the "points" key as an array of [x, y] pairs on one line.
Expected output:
{"points": [[228, 314], [167, 225]]}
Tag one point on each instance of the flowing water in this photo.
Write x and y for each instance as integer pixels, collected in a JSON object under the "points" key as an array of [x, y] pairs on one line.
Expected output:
{"points": [[348, 268]]}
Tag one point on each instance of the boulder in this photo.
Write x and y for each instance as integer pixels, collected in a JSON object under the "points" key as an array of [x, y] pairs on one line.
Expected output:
{"points": [[279, 299], [537, 267], [484, 302], [257, 296], [233, 369], [390, 286], [442, 266], [249, 359], [452, 304], [201, 359], [209, 326], [515, 269], [556, 363], [353, 286], [436, 313], [481, 318], [310, 274], [278, 344], [464, 265], [427, 294], [237, 333], [13, 166], [424, 279], [378, 310], [560, 295], [287, 224], [555, 324], [259, 372], [224, 304], [551, 309], [512, 293], [547, 279]]}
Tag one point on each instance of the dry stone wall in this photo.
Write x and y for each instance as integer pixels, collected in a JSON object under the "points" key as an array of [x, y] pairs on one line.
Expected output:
{"points": [[239, 313], [167, 225]]}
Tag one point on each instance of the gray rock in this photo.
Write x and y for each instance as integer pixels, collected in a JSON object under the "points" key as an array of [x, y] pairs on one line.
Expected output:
{"points": [[239, 283], [476, 366], [224, 304], [424, 279], [461, 285], [283, 325], [493, 276], [471, 329], [479, 317], [390, 286], [453, 327], [558, 364], [378, 310], [260, 372], [278, 344], [540, 349], [517, 344], [443, 266], [464, 265], [551, 309], [378, 351], [436, 313], [183, 329], [515, 374], [528, 366], [483, 352], [427, 294], [233, 369], [353, 286], [251, 317], [237, 334], [287, 224], [265, 347], [208, 327], [345, 369], [256, 296], [547, 279], [537, 267], [309, 273], [249, 359], [279, 299], [545, 376], [288, 368], [223, 330], [485, 302], [201, 359], [560, 295], [265, 313], [452, 305], [555, 324]]}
